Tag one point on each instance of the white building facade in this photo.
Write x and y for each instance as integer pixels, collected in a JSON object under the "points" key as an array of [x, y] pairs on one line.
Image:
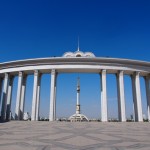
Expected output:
{"points": [[72, 63]]}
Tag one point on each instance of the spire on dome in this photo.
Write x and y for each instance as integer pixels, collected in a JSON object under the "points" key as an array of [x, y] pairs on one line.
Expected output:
{"points": [[78, 45], [78, 53]]}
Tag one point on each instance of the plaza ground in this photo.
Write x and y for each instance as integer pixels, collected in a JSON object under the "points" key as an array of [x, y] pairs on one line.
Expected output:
{"points": [[27, 135]]}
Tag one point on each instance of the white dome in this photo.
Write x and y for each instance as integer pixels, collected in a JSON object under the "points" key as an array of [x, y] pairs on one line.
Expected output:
{"points": [[78, 54]]}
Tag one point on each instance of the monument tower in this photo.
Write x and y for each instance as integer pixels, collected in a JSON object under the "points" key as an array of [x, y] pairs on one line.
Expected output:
{"points": [[78, 97], [78, 117]]}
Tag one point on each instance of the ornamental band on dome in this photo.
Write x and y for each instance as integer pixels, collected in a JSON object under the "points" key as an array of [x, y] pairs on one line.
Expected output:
{"points": [[75, 63]]}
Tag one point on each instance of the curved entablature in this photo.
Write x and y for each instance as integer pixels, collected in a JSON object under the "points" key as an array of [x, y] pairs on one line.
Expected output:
{"points": [[75, 64], [78, 54]]}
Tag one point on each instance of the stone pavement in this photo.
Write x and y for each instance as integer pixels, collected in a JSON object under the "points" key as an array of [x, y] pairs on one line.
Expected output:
{"points": [[26, 135]]}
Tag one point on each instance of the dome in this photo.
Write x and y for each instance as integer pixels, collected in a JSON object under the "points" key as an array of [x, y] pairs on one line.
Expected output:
{"points": [[78, 54]]}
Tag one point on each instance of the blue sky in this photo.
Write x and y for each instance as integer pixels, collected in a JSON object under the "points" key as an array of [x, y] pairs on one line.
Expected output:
{"points": [[33, 29]]}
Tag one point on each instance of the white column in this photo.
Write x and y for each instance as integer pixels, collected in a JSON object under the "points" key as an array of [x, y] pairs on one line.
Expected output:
{"points": [[38, 98], [9, 98], [1, 85], [34, 99], [121, 97], [18, 100], [147, 83], [52, 115], [137, 97], [104, 117], [55, 96], [4, 97], [23, 89]]}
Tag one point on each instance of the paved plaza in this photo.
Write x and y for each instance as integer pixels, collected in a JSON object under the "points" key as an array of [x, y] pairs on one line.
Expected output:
{"points": [[27, 135]]}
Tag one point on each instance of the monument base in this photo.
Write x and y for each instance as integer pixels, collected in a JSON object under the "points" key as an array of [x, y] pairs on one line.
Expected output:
{"points": [[78, 118]]}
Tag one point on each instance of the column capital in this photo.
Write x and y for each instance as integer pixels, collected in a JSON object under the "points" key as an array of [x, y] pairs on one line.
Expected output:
{"points": [[6, 75], [103, 71], [36, 72], [20, 74], [137, 73], [119, 73], [53, 71]]}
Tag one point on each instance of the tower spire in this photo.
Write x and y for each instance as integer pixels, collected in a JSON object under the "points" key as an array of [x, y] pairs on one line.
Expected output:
{"points": [[77, 117], [78, 45]]}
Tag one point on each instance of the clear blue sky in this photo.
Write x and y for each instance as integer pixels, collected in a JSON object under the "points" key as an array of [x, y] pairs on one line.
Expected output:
{"points": [[31, 29]]}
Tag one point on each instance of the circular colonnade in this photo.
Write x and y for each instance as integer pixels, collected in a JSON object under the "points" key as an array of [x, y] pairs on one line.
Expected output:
{"points": [[72, 63]]}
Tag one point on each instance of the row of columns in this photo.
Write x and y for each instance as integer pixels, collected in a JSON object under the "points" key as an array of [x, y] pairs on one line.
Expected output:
{"points": [[20, 100], [121, 98]]}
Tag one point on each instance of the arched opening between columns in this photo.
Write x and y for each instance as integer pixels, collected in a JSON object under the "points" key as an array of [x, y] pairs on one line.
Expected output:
{"points": [[14, 95], [28, 96], [44, 106], [112, 99], [128, 98], [133, 111], [67, 95], [143, 99]]}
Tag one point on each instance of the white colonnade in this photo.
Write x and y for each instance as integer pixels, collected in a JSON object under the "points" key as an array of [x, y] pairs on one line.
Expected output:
{"points": [[84, 62], [20, 100]]}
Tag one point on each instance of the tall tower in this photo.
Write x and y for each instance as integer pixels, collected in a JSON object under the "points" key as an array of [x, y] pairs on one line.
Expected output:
{"points": [[77, 117], [78, 97]]}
